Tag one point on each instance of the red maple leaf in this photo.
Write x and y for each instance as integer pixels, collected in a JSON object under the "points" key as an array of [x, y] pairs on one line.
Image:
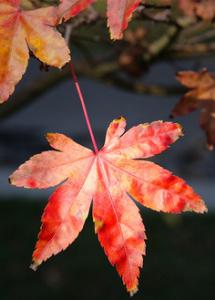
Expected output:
{"points": [[119, 12], [107, 177]]}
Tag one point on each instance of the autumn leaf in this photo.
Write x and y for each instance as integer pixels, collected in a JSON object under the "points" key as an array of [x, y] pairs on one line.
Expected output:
{"points": [[21, 30], [204, 9], [70, 8], [119, 13], [201, 96], [107, 178]]}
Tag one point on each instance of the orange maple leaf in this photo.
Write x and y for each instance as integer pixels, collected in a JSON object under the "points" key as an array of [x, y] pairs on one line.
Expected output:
{"points": [[21, 30], [201, 96], [107, 177], [118, 12]]}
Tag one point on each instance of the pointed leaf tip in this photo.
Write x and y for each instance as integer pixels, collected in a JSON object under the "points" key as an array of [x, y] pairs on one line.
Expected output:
{"points": [[133, 291], [34, 266], [119, 13]]}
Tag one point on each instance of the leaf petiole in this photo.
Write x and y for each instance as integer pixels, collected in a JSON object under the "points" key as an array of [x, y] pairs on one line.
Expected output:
{"points": [[86, 116]]}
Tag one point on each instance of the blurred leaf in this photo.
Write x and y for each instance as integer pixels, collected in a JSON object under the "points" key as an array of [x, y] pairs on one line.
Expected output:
{"points": [[201, 96]]}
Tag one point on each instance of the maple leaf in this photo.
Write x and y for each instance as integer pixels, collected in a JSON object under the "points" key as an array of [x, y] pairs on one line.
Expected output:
{"points": [[21, 30], [118, 12], [70, 8], [204, 9], [107, 178], [201, 96]]}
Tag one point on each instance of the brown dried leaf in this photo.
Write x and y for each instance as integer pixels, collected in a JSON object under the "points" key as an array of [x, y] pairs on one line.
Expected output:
{"points": [[201, 96]]}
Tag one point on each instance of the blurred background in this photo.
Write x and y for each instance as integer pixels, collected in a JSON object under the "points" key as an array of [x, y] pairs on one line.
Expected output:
{"points": [[135, 78]]}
